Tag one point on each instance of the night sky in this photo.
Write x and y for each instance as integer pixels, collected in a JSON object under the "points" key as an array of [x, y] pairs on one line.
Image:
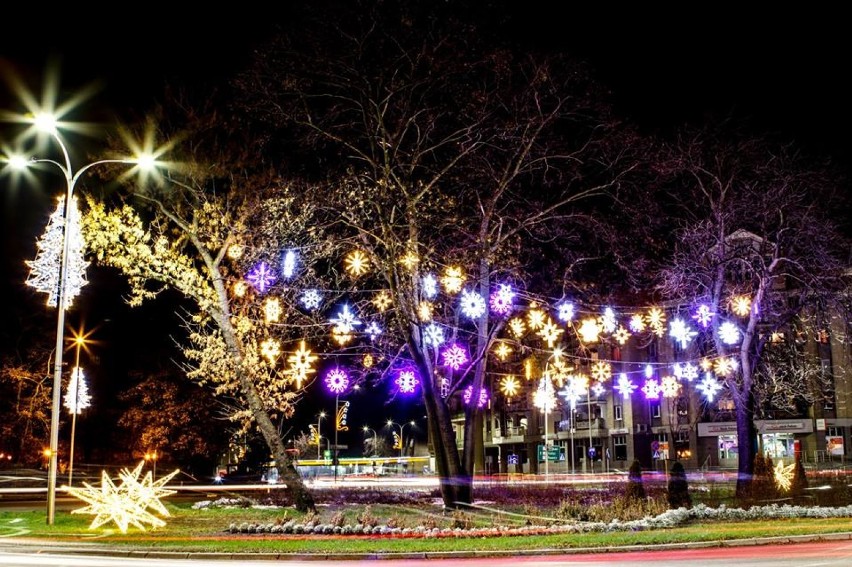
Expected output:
{"points": [[783, 72]]}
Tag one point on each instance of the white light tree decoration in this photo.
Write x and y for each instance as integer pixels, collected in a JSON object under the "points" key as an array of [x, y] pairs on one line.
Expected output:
{"points": [[44, 269], [77, 397], [545, 400]]}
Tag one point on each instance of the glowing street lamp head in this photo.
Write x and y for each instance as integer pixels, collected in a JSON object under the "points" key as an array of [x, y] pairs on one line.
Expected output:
{"points": [[18, 162], [145, 161], [45, 122]]}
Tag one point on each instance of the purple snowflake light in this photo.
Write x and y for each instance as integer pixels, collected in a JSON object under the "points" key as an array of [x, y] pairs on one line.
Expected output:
{"points": [[454, 356], [406, 381], [336, 381], [501, 299], [261, 277]]}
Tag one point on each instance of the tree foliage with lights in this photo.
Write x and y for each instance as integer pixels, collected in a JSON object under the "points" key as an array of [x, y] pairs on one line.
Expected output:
{"points": [[25, 397], [218, 238], [756, 242], [447, 164]]}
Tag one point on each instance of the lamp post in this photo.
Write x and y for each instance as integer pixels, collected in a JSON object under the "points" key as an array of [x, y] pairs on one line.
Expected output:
{"points": [[151, 456], [47, 123], [365, 429], [391, 423], [545, 400], [75, 404], [319, 435]]}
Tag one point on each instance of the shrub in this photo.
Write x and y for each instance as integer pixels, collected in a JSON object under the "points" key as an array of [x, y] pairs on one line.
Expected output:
{"points": [[678, 488], [367, 518], [461, 520], [338, 519], [763, 479], [800, 480], [635, 489]]}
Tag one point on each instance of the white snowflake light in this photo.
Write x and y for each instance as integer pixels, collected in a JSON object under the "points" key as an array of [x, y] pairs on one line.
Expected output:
{"points": [[77, 396], [311, 299], [651, 389], [680, 332], [550, 333], [689, 372], [608, 321], [482, 398], [44, 269], [430, 286], [345, 321], [637, 323], [472, 304], [288, 264], [625, 386], [406, 381], [589, 331], [621, 335], [598, 389], [544, 397], [373, 330], [709, 386], [565, 312], [729, 333], [433, 335], [669, 387], [601, 371], [703, 315]]}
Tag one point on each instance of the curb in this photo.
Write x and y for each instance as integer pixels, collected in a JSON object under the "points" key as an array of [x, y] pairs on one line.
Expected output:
{"points": [[24, 545]]}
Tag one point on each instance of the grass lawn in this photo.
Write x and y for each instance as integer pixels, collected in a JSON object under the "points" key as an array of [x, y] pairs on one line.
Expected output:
{"points": [[206, 529]]}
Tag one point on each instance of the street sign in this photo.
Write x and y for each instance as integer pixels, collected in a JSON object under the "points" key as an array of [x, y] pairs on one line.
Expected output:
{"points": [[553, 453], [513, 459]]}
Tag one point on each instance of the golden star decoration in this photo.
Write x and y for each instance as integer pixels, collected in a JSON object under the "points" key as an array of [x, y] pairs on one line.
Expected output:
{"points": [[784, 476], [125, 504]]}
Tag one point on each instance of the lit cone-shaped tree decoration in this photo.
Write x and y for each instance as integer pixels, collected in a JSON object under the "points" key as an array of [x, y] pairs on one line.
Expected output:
{"points": [[77, 396], [44, 270]]}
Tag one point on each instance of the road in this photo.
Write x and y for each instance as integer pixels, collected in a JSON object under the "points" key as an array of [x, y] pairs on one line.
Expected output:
{"points": [[822, 554]]}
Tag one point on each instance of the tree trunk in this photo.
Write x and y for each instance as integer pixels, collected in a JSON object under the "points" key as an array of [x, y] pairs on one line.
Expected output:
{"points": [[745, 443], [455, 482]]}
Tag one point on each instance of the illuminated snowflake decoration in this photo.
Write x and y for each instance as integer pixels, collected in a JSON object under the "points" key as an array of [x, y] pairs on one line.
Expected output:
{"points": [[649, 371], [409, 260], [544, 397], [430, 286], [656, 319], [336, 381], [270, 349], [598, 389], [517, 327], [468, 394], [311, 299], [356, 263], [565, 312], [571, 394], [709, 387], [502, 299], [235, 251], [424, 311], [368, 361], [345, 320], [637, 323], [452, 280], [651, 389], [472, 304], [680, 332], [589, 331], [240, 289], [454, 356], [601, 371], [741, 305], [703, 315], [669, 387], [783, 475], [261, 277], [288, 264], [724, 366], [382, 301], [301, 364], [621, 335], [550, 333], [536, 318], [625, 386], [729, 333], [689, 372], [373, 330], [406, 381], [608, 320], [133, 502], [706, 364], [272, 310], [502, 350], [433, 335], [510, 386], [77, 396]]}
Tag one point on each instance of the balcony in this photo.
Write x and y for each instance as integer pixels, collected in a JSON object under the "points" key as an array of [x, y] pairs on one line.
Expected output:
{"points": [[512, 434]]}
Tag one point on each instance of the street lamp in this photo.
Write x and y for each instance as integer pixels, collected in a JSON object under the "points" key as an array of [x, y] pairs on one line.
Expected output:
{"points": [[402, 427], [47, 123], [375, 439], [152, 457], [545, 400], [74, 401], [319, 435]]}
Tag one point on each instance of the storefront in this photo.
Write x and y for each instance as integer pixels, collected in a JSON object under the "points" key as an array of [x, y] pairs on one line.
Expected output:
{"points": [[776, 438]]}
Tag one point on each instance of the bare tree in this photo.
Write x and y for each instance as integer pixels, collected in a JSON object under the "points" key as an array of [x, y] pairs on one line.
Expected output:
{"points": [[756, 240], [441, 154]]}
